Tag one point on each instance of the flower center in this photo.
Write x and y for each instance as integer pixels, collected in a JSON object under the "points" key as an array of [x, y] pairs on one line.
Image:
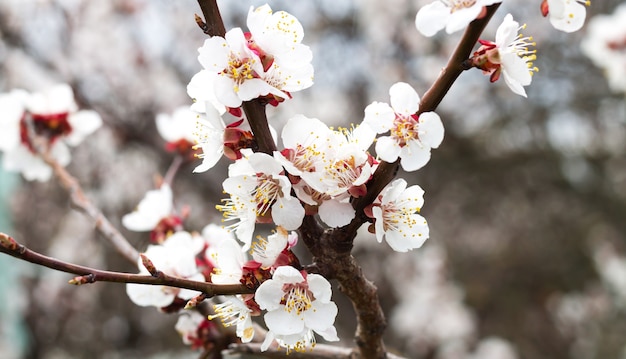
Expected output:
{"points": [[50, 126], [521, 46], [266, 192], [234, 208], [456, 5], [301, 346], [344, 172], [297, 297], [303, 158], [396, 217], [617, 45], [318, 197], [229, 313], [405, 129], [239, 70]]}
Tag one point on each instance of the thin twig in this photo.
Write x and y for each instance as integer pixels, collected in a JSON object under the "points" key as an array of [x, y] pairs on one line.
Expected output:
{"points": [[173, 170], [90, 275], [80, 201]]}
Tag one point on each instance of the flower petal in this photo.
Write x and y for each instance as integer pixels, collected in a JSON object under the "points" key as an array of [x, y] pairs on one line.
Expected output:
{"points": [[269, 295], [320, 316], [288, 213], [379, 116], [461, 18], [213, 55], [431, 18], [414, 156], [336, 213], [404, 99], [320, 287], [431, 129], [515, 73], [387, 149], [282, 322]]}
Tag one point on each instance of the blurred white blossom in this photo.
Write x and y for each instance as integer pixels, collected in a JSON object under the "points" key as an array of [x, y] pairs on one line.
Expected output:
{"points": [[605, 44]]}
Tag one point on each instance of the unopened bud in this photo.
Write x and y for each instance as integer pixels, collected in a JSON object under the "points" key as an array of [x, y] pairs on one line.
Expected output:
{"points": [[193, 302], [147, 263], [82, 279]]}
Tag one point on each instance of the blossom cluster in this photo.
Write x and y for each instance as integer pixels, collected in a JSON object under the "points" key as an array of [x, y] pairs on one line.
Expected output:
{"points": [[320, 171], [297, 304], [605, 45]]}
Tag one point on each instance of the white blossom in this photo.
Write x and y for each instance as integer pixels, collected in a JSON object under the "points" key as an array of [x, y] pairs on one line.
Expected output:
{"points": [[297, 305], [605, 44], [508, 56], [181, 125], [156, 205], [397, 219], [209, 135], [412, 136], [333, 165], [175, 257], [233, 311], [187, 326], [52, 114], [453, 15], [266, 251], [224, 253], [566, 15], [268, 61], [258, 186]]}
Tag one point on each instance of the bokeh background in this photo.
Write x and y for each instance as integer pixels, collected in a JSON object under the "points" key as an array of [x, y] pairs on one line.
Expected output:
{"points": [[526, 198]]}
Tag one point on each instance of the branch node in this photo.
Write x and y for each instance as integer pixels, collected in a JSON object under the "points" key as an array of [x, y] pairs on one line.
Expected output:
{"points": [[467, 64], [83, 279], [193, 302]]}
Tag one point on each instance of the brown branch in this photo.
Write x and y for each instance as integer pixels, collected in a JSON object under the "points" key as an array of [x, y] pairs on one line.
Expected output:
{"points": [[257, 118], [386, 172], [90, 275], [332, 251], [331, 248], [254, 109], [214, 25]]}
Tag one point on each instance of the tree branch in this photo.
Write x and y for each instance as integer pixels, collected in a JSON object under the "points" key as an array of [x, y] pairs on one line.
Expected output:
{"points": [[332, 254], [386, 172], [41, 147], [331, 248], [433, 97], [81, 202], [90, 275], [254, 109], [214, 25]]}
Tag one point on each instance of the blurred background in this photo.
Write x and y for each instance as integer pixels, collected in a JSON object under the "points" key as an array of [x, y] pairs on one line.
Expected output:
{"points": [[525, 198]]}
